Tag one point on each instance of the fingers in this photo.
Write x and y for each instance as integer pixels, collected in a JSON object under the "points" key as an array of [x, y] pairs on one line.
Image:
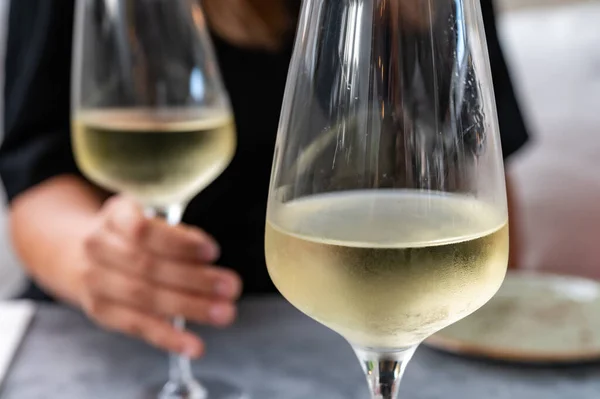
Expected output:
{"points": [[110, 250], [125, 218], [151, 298], [139, 272], [154, 330]]}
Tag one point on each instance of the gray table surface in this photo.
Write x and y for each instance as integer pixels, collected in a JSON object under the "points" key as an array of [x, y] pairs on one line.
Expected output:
{"points": [[274, 352]]}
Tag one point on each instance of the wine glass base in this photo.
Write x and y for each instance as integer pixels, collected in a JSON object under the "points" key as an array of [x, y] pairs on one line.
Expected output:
{"points": [[210, 388]]}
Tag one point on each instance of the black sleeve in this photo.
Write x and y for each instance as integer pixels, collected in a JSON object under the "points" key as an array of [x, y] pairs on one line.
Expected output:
{"points": [[513, 131], [37, 142]]}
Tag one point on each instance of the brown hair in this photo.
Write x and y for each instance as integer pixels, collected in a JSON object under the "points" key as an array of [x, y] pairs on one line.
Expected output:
{"points": [[263, 24]]}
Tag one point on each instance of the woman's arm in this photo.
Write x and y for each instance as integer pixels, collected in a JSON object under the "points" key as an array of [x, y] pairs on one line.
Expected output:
{"points": [[46, 211], [126, 272], [46, 223]]}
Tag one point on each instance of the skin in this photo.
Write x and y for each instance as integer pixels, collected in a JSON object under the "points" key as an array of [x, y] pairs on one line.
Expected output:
{"points": [[127, 273], [258, 24]]}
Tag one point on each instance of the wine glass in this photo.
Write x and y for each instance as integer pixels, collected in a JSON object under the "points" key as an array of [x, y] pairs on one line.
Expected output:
{"points": [[387, 216], [152, 119]]}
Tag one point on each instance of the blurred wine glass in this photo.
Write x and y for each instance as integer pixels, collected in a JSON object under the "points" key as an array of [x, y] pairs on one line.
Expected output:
{"points": [[152, 119], [387, 217]]}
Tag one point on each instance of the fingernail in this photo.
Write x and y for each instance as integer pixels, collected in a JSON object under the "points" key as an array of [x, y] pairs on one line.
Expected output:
{"points": [[191, 350], [220, 314], [209, 252]]}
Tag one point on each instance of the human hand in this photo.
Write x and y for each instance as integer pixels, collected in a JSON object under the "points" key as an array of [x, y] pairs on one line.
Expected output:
{"points": [[138, 272]]}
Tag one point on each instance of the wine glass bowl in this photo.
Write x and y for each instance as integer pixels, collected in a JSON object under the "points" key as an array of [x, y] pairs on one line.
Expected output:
{"points": [[159, 158], [151, 116], [387, 215], [385, 277]]}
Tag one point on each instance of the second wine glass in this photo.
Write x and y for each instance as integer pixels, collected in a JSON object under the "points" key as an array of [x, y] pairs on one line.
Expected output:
{"points": [[151, 119], [387, 216]]}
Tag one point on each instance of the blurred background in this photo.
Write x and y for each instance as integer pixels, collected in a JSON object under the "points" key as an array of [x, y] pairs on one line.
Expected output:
{"points": [[552, 50]]}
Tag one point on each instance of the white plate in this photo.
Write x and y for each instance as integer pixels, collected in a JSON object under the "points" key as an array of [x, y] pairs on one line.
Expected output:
{"points": [[14, 320], [534, 318]]}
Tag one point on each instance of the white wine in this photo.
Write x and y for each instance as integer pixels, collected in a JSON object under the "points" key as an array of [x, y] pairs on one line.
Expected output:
{"points": [[384, 268], [159, 157]]}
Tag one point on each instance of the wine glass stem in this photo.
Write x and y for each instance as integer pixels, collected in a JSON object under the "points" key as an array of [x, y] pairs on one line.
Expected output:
{"points": [[384, 369], [180, 370], [179, 366]]}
